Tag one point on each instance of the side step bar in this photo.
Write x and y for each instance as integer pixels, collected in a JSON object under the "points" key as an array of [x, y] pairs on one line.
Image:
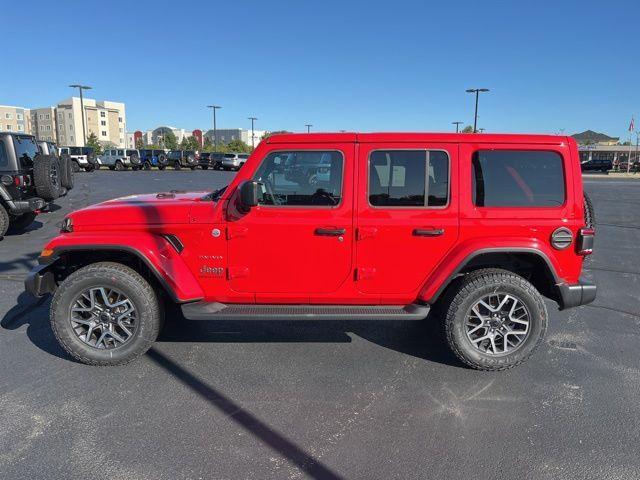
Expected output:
{"points": [[220, 311]]}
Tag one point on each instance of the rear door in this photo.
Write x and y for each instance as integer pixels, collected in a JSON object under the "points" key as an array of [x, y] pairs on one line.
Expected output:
{"points": [[407, 214], [298, 241]]}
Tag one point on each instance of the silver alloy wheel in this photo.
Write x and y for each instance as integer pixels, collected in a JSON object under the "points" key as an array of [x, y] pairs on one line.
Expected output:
{"points": [[498, 324], [103, 317]]}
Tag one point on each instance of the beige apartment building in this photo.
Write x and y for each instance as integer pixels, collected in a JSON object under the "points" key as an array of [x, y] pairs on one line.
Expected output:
{"points": [[63, 123], [15, 119], [107, 120], [43, 123]]}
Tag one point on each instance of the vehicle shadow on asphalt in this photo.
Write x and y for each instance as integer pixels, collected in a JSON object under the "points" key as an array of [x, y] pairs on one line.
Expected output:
{"points": [[23, 263], [35, 314], [245, 419], [421, 339]]}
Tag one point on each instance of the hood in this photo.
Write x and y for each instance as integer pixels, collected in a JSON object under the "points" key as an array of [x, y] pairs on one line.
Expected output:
{"points": [[155, 208]]}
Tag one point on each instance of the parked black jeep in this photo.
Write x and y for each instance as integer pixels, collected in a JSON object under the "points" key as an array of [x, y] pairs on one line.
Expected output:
{"points": [[29, 180], [182, 159]]}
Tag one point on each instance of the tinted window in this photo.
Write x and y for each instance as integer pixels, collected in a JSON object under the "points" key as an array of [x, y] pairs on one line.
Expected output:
{"points": [[76, 151], [131, 152], [229, 155], [26, 150], [243, 156], [4, 160], [511, 178], [312, 178], [174, 154], [408, 178]]}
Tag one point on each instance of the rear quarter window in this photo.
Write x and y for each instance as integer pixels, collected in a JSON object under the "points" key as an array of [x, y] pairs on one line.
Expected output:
{"points": [[4, 160], [518, 178]]}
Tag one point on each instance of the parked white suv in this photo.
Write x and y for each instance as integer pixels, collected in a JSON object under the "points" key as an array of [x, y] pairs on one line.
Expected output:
{"points": [[120, 159], [81, 157]]}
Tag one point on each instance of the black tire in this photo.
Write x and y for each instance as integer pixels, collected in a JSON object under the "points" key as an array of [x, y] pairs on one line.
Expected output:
{"points": [[147, 166], [204, 167], [127, 281], [191, 159], [135, 160], [75, 166], [119, 166], [589, 212], [193, 168], [112, 168], [476, 286], [92, 166], [177, 166], [46, 176], [67, 173], [161, 167], [4, 221], [18, 223]]}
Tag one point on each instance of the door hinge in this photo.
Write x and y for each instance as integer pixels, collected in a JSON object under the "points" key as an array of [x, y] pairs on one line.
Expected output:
{"points": [[366, 232], [365, 273], [235, 232], [237, 272]]}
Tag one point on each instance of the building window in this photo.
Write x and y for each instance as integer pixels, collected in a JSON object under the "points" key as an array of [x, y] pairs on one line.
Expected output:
{"points": [[19, 116], [104, 134], [61, 116], [20, 128], [103, 123], [70, 116], [47, 116], [120, 119], [103, 114], [42, 128], [8, 116], [71, 138], [71, 127], [9, 127], [41, 117], [48, 128]]}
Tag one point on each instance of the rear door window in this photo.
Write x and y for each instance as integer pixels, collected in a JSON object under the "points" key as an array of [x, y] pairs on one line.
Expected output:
{"points": [[518, 178], [4, 159], [26, 150], [408, 178]]}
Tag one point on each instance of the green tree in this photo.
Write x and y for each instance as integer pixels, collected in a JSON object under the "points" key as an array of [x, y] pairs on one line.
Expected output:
{"points": [[277, 132], [238, 146], [467, 129], [208, 146], [139, 143], [169, 141], [93, 142]]}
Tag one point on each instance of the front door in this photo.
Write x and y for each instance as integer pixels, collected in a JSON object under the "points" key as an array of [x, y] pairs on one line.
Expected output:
{"points": [[407, 215], [298, 241]]}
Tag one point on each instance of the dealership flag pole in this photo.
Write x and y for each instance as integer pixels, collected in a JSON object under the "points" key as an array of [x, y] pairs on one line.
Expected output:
{"points": [[631, 129]]}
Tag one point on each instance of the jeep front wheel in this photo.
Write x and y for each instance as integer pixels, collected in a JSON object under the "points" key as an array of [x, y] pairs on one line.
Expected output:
{"points": [[105, 314], [4, 221], [495, 320]]}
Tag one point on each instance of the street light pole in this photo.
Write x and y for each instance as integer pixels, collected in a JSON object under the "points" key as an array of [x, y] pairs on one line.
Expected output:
{"points": [[475, 117], [84, 129], [253, 138], [308, 125], [457, 124], [215, 130]]}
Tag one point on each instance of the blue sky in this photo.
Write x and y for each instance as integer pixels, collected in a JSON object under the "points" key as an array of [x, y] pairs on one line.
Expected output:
{"points": [[352, 65]]}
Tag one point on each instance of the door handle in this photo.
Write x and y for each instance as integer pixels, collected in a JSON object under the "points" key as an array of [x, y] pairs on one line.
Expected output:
{"points": [[330, 232], [428, 232]]}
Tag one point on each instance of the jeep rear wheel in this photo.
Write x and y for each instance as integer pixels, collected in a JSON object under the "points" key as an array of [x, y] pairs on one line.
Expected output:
{"points": [[47, 175], [496, 319], [105, 314], [119, 165], [4, 221]]}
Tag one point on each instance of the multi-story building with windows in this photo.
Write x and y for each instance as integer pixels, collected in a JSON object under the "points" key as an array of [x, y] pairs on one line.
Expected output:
{"points": [[43, 123], [226, 135], [106, 120], [15, 119]]}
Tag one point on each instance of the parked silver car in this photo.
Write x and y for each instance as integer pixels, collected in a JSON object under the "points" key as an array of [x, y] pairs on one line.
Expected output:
{"points": [[233, 161], [120, 159]]}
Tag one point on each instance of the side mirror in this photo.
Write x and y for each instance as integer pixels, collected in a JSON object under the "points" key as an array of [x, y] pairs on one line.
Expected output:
{"points": [[250, 194]]}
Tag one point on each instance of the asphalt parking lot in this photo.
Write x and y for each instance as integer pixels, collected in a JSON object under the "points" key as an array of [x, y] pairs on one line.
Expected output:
{"points": [[258, 400]]}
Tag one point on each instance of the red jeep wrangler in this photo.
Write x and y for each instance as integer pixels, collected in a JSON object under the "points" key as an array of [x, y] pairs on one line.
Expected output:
{"points": [[337, 226]]}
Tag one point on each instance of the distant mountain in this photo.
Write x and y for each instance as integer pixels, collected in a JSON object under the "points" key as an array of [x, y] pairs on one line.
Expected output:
{"points": [[591, 137]]}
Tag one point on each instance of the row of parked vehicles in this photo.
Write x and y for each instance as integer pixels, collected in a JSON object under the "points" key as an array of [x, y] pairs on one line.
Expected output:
{"points": [[84, 158], [145, 159], [604, 165]]}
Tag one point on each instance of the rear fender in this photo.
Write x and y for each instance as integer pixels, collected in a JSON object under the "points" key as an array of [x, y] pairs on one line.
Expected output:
{"points": [[464, 253], [154, 250]]}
